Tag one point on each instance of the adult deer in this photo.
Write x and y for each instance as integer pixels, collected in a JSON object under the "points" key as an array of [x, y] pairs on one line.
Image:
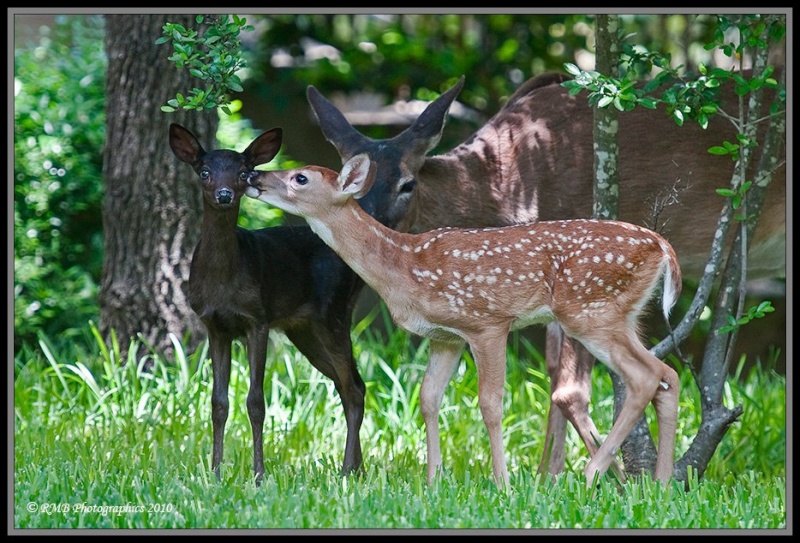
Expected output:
{"points": [[475, 285], [533, 161], [244, 282]]}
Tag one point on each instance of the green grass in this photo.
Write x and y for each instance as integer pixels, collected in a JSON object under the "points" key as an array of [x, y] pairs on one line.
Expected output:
{"points": [[99, 445]]}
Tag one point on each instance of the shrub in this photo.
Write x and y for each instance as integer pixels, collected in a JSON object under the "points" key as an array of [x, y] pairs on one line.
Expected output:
{"points": [[59, 128]]}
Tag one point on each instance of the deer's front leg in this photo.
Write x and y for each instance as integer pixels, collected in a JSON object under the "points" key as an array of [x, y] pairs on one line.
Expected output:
{"points": [[257, 356], [442, 363], [220, 350], [489, 351]]}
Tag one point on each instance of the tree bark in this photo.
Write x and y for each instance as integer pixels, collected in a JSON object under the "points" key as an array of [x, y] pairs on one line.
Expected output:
{"points": [[638, 452], [152, 208]]}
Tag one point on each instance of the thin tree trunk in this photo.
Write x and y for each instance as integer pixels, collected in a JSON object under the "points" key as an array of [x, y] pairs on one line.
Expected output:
{"points": [[638, 452], [716, 417]]}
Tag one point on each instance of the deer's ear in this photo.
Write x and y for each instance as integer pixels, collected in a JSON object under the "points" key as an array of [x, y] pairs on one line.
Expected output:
{"points": [[335, 127], [426, 131], [264, 147], [184, 144], [357, 176]]}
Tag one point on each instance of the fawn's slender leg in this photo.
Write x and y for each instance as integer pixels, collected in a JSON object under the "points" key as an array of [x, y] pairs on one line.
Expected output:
{"points": [[556, 344], [444, 358], [570, 367], [220, 351], [331, 352], [257, 340], [489, 350], [643, 375], [666, 404]]}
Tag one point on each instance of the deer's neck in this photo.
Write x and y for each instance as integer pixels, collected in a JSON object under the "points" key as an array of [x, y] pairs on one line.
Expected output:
{"points": [[219, 241], [471, 178], [490, 180], [376, 253]]}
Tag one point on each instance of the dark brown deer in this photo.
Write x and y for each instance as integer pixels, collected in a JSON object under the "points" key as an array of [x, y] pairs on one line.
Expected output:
{"points": [[533, 161], [244, 282], [473, 286]]}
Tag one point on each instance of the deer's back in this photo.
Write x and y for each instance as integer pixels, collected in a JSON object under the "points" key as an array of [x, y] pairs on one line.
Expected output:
{"points": [[572, 271]]}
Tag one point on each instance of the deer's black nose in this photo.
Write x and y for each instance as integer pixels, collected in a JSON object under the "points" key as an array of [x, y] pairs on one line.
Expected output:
{"points": [[224, 196]]}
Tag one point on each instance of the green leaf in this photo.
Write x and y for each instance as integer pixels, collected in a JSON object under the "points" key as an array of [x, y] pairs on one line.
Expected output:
{"points": [[717, 150], [571, 68], [167, 109], [604, 101], [652, 85], [649, 103], [725, 192], [731, 147], [765, 307]]}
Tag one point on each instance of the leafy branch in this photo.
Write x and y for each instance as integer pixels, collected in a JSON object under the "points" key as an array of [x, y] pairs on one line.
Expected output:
{"points": [[213, 55]]}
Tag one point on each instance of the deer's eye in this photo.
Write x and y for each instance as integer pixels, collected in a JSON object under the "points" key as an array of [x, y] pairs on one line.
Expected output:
{"points": [[243, 176], [408, 186], [205, 174], [301, 179]]}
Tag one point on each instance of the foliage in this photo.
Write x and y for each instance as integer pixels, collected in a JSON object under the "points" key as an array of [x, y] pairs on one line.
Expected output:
{"points": [[687, 97], [212, 55], [389, 54], [59, 129], [90, 432]]}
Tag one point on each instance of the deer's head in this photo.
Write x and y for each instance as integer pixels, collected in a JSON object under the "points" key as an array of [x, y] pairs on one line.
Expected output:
{"points": [[396, 160], [223, 173], [309, 191]]}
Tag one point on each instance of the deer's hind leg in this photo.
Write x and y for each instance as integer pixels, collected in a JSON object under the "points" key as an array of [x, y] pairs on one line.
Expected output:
{"points": [[647, 379], [570, 366], [329, 349]]}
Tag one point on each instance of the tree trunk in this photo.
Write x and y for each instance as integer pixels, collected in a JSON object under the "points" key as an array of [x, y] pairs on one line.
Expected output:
{"points": [[152, 210], [638, 452]]}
